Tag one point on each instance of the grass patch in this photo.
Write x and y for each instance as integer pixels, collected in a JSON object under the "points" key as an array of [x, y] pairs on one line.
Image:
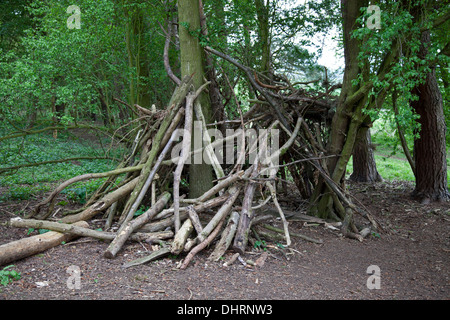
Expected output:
{"points": [[389, 168]]}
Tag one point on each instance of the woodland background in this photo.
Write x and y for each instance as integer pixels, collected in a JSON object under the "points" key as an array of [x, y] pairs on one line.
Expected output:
{"points": [[100, 98]]}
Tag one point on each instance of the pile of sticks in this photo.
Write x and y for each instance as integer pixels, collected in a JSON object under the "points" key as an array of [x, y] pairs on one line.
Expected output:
{"points": [[149, 177]]}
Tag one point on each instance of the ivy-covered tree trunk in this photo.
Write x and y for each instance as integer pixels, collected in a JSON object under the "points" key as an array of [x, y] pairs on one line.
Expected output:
{"points": [[192, 64], [347, 119], [430, 148]]}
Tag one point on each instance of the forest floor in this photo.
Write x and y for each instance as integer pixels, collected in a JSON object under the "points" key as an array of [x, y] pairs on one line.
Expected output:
{"points": [[412, 253]]}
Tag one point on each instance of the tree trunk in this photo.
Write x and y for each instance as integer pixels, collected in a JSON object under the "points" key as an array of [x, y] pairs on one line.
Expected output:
{"points": [[217, 106], [430, 148], [347, 119], [364, 165], [192, 64], [262, 10]]}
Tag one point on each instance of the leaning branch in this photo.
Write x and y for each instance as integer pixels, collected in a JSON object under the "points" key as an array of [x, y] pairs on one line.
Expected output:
{"points": [[249, 73]]}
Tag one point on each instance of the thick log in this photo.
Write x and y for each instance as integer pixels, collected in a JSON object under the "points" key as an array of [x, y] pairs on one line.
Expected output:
{"points": [[181, 237], [127, 230], [245, 221], [29, 246], [227, 237]]}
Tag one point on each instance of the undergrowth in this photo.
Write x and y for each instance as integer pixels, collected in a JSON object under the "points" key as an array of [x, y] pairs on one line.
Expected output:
{"points": [[24, 183]]}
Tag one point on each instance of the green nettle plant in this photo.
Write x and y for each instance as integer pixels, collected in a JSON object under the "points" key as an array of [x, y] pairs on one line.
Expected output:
{"points": [[7, 276]]}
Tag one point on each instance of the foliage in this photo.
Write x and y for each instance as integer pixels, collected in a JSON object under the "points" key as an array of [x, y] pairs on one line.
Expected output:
{"points": [[26, 182], [14, 20], [73, 66], [7, 276], [141, 211], [401, 30], [294, 27]]}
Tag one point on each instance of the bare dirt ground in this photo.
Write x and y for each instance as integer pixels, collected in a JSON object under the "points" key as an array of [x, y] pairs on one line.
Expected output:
{"points": [[412, 253]]}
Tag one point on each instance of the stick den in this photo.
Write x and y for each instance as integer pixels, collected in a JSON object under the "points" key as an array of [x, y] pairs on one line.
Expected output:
{"points": [[229, 149]]}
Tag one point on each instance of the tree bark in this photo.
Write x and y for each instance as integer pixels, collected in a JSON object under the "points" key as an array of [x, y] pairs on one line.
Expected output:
{"points": [[364, 165], [430, 148], [262, 10], [181, 237], [401, 135], [192, 63], [217, 106], [247, 215]]}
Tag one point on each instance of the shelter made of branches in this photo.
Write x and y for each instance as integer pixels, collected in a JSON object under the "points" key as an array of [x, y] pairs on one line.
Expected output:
{"points": [[151, 176]]}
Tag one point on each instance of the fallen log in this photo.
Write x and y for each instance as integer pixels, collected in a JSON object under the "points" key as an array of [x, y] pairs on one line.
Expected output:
{"points": [[29, 246], [74, 229]]}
